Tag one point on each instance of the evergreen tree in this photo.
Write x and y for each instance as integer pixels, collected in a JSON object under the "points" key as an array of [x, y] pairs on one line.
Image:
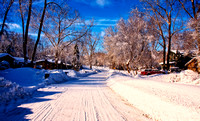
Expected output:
{"points": [[76, 58]]}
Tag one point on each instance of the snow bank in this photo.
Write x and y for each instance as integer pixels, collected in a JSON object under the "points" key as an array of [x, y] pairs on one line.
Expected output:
{"points": [[159, 100], [24, 76], [29, 80], [184, 77], [17, 83], [187, 76], [24, 81]]}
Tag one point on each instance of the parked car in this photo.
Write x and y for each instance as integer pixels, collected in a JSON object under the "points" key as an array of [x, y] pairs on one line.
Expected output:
{"points": [[151, 71]]}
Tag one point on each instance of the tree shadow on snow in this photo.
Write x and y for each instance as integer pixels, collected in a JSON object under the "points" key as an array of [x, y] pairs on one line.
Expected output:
{"points": [[88, 81], [16, 113]]}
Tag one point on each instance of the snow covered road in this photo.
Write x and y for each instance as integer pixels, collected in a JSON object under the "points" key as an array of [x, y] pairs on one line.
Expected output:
{"points": [[85, 99]]}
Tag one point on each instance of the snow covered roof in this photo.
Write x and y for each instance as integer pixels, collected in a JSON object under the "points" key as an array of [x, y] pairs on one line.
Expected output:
{"points": [[20, 59], [185, 52], [172, 62], [5, 54], [49, 60], [180, 51], [40, 60]]}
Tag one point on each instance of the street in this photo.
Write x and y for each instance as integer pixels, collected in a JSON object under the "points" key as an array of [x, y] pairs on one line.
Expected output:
{"points": [[85, 99]]}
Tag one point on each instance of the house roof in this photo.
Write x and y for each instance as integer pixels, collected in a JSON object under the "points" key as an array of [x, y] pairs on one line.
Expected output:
{"points": [[180, 51], [20, 59], [172, 62], [186, 52], [197, 57], [5, 54], [49, 60]]}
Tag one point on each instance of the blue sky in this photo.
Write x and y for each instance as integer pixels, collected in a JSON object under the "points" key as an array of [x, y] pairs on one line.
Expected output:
{"points": [[104, 12]]}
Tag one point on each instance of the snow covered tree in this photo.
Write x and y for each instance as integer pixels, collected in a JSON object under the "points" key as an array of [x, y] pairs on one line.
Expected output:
{"points": [[90, 43], [192, 9], [127, 44], [165, 13], [184, 41]]}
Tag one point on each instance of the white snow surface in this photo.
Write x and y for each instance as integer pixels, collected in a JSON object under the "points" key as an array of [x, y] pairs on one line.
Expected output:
{"points": [[85, 99], [20, 82], [85, 95], [24, 76], [158, 97]]}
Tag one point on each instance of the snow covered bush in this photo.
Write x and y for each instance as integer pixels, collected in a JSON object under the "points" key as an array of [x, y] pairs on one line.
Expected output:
{"points": [[81, 73], [187, 76], [10, 90], [4, 65], [56, 77], [71, 73]]}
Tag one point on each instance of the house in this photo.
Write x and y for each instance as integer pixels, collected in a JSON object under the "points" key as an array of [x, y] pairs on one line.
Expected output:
{"points": [[19, 62], [50, 64], [194, 64], [45, 64], [171, 64], [181, 57], [178, 58], [8, 58]]}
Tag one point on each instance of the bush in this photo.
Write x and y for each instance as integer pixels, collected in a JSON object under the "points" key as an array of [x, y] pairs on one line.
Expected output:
{"points": [[4, 65], [10, 90]]}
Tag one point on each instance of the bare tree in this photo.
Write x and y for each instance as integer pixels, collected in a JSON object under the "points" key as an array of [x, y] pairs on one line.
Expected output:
{"points": [[22, 15], [62, 27], [40, 28]]}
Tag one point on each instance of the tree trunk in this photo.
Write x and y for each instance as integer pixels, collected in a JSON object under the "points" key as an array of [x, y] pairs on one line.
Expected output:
{"points": [[169, 41], [127, 66], [169, 51], [22, 17], [39, 32], [26, 33], [56, 58], [164, 54]]}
